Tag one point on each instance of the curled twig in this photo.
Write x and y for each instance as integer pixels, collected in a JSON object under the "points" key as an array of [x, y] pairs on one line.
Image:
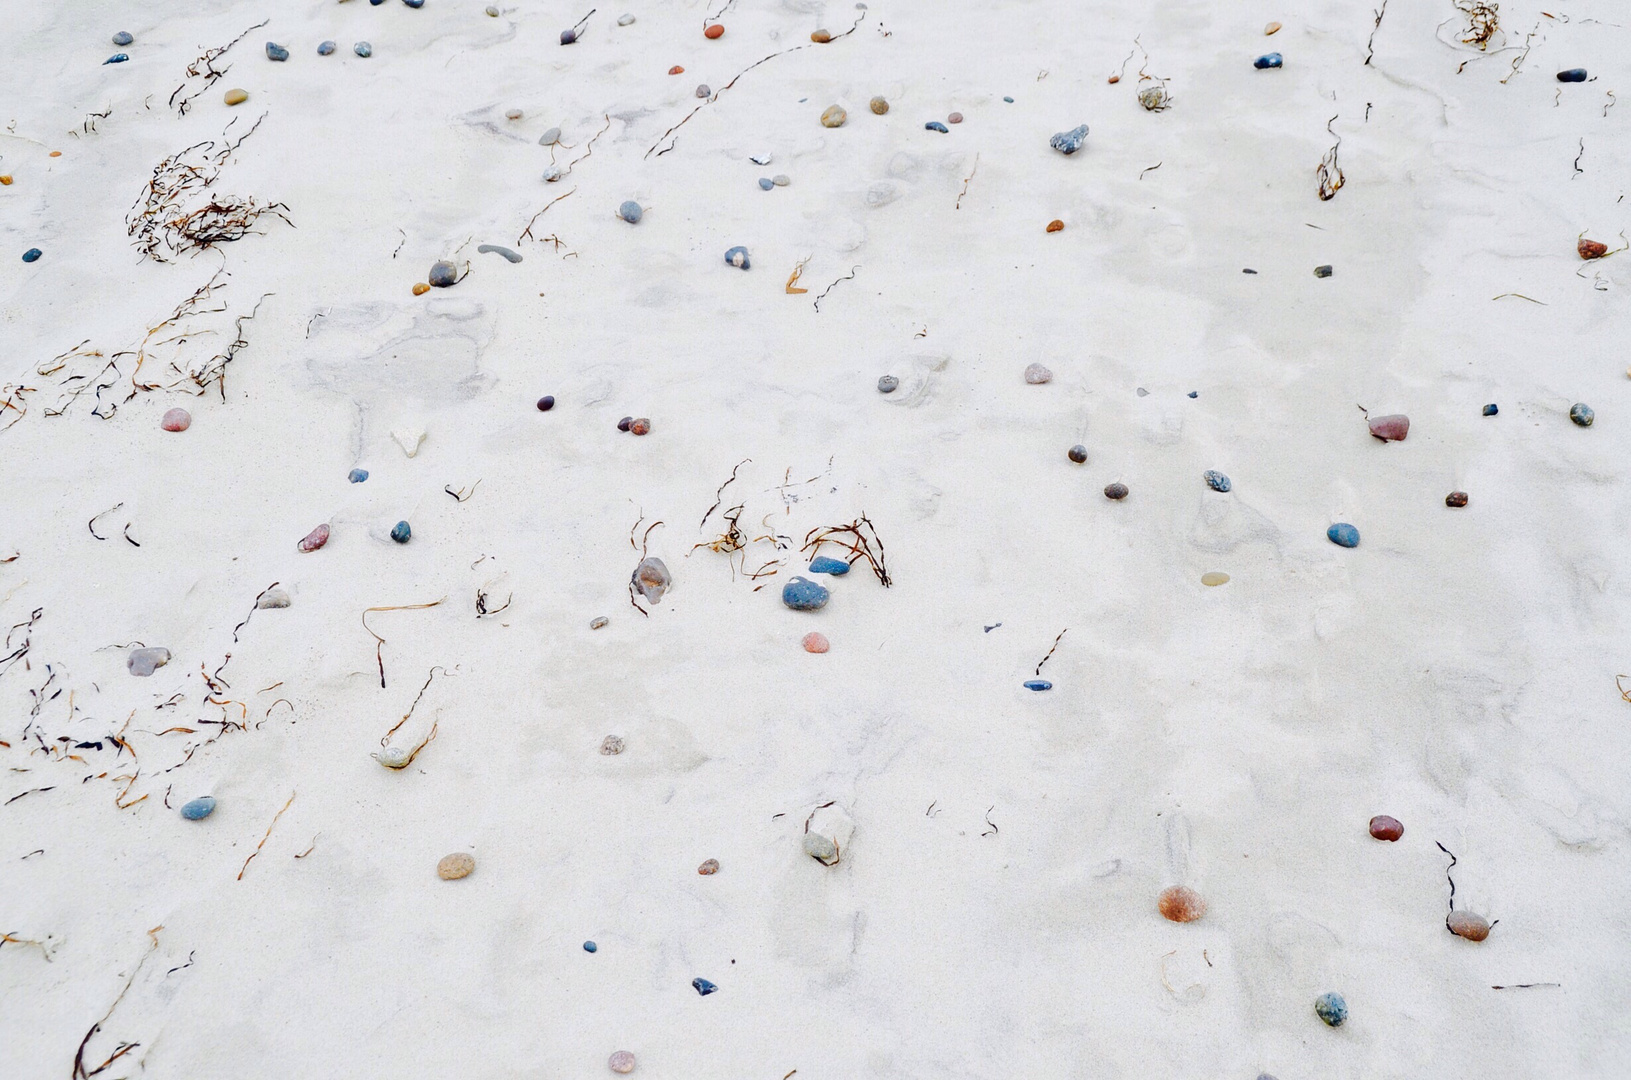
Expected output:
{"points": [[847, 277], [379, 641], [1329, 172], [1045, 659]]}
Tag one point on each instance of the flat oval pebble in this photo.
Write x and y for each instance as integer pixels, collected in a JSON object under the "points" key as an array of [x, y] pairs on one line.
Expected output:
{"points": [[1271, 29], [833, 116], [802, 594], [1214, 577], [123, 37], [32, 255], [1331, 1008], [455, 866], [630, 212], [177, 420], [315, 539], [1038, 684], [1456, 498], [703, 90], [955, 118], [1383, 827], [420, 288], [676, 70], [414, 3], [815, 642], [821, 564], [878, 105], [1581, 414], [198, 809], [1467, 925], [589, 946], [357, 476], [327, 48], [1056, 225], [714, 32], [737, 257], [394, 757], [1036, 375], [273, 599], [513, 114], [935, 125], [550, 137], [568, 36], [709, 867], [1078, 454], [236, 97], [1115, 491], [611, 745], [623, 424], [1270, 60], [765, 183], [277, 52], [401, 532], [1343, 535], [1216, 480], [640, 426], [1180, 903], [1068, 142], [144, 661], [546, 403], [443, 274], [625, 20], [621, 1062], [820, 37], [1322, 271], [363, 49], [781, 179], [1572, 75], [598, 621], [820, 848], [1391, 428], [888, 384]]}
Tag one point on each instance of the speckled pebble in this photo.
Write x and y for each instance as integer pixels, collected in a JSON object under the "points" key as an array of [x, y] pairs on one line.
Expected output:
{"points": [[709, 867], [1391, 428], [1216, 480], [703, 987], [1180, 903], [652, 579], [878, 105], [833, 117], [1078, 454], [143, 662], [363, 49], [198, 809], [1115, 491], [622, 1061], [401, 532], [816, 642], [1332, 1009], [631, 212], [327, 48], [821, 564], [357, 476], [1268, 60], [802, 594], [611, 745], [738, 257], [935, 125], [1383, 827], [888, 384], [1456, 498], [1343, 535], [176, 420], [1465, 924], [765, 183], [277, 52], [598, 622], [455, 866], [640, 426], [1036, 375], [1068, 142], [1581, 414], [1214, 577], [123, 37], [315, 539], [1038, 685]]}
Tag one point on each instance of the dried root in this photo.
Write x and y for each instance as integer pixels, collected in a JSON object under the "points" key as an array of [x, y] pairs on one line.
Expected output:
{"points": [[178, 214], [1483, 21], [859, 538]]}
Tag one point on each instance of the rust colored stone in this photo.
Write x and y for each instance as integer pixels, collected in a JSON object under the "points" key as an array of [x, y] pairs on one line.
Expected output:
{"points": [[1180, 903]]}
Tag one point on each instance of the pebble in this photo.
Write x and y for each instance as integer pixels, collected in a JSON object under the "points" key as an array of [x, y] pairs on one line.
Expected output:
{"points": [[714, 32], [1391, 428], [802, 594], [1116, 491], [116, 58], [676, 70], [1056, 225], [1038, 684], [820, 37], [315, 539], [1456, 498], [550, 137], [955, 118], [1068, 142], [1009, 100], [589, 946], [1036, 375], [363, 49], [833, 117], [820, 848], [443, 274], [273, 599], [703, 90], [816, 642], [935, 125], [625, 20], [202, 807], [652, 578], [1572, 75], [1216, 480], [1331, 1008], [878, 105], [1323, 271], [1078, 454], [1271, 29], [32, 255], [513, 114], [414, 3], [611, 745], [1491, 409], [357, 476], [622, 1061], [177, 420], [888, 384], [394, 757], [553, 173], [761, 159], [5, 179], [1581, 414], [598, 621], [781, 179], [143, 662], [568, 36], [709, 867], [1270, 60], [1180, 903], [497, 249], [1343, 535], [123, 37], [236, 97], [1590, 249], [1466, 924], [420, 288], [630, 212], [821, 564], [623, 424], [703, 987], [546, 403], [455, 866], [738, 257], [640, 426], [765, 183], [409, 438], [1383, 827], [327, 48], [1214, 577], [401, 532], [277, 52]]}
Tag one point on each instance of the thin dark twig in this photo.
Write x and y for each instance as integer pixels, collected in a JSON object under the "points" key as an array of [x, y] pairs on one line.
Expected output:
{"points": [[720, 494], [91, 524], [994, 830], [1044, 660], [1370, 46], [847, 277], [1450, 879]]}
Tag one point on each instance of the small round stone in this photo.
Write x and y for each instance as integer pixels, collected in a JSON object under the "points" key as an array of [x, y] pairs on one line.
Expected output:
{"points": [[816, 642], [513, 114], [550, 137], [676, 70], [640, 426], [420, 288], [414, 3], [32, 255], [1581, 414], [455, 866], [589, 946], [1383, 827], [1056, 225], [1180, 903], [1271, 29], [878, 105], [765, 183], [1268, 60], [611, 745], [394, 757], [833, 117], [568, 36], [1216, 480], [1078, 454], [363, 49], [123, 37], [277, 52], [1590, 249], [357, 476], [1331, 1008], [888, 384], [176, 420], [955, 118], [598, 621], [546, 403], [1343, 535], [714, 32], [443, 274], [1036, 374], [708, 867], [623, 424], [1116, 491], [820, 37], [236, 97], [821, 848], [1392, 428], [781, 179], [703, 90], [327, 48], [621, 1062], [630, 212], [1492, 409], [1214, 577], [625, 20], [401, 532], [1456, 498], [1466, 924], [199, 808], [315, 539]]}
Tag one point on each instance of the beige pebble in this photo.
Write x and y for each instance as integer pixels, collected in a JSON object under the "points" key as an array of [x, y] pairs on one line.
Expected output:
{"points": [[1466, 924], [513, 114], [621, 1062], [455, 866], [816, 642], [1179, 903], [1214, 577], [1271, 29], [237, 97], [879, 105], [833, 117], [611, 745], [709, 866]]}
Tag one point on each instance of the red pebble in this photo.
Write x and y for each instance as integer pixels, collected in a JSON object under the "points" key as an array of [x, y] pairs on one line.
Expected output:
{"points": [[1591, 249], [1180, 903], [676, 70], [955, 118], [1391, 428], [641, 426], [815, 642], [714, 32], [177, 420], [1386, 828], [315, 539]]}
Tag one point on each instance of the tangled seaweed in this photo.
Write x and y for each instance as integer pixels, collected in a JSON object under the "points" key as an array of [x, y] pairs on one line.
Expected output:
{"points": [[179, 215]]}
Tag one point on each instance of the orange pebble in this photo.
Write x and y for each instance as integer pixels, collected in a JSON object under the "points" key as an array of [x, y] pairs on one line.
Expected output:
{"points": [[714, 32], [1055, 225], [1115, 78], [815, 642], [821, 37], [6, 179], [420, 289], [1180, 903], [56, 153], [676, 70]]}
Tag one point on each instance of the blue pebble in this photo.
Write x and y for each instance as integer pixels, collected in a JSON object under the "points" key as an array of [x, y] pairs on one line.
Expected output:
{"points": [[1068, 142], [765, 183], [738, 257], [703, 986], [935, 125], [274, 51], [1272, 60], [1216, 480], [1581, 414], [1331, 1008], [802, 594], [589, 946], [1343, 535], [116, 58], [821, 564], [326, 48], [1009, 100], [1491, 409], [631, 212], [1572, 75], [401, 533], [1194, 393], [32, 255], [568, 36], [1038, 684], [357, 476], [123, 37], [376, 3], [414, 3], [199, 809], [363, 49]]}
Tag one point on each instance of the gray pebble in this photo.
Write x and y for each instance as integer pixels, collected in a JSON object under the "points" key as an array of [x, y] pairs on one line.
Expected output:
{"points": [[1322, 271], [123, 38], [781, 180], [326, 48], [363, 49], [273, 598], [550, 137], [443, 274], [598, 621], [552, 174], [277, 52], [765, 183], [1068, 142], [611, 745], [630, 212], [143, 662], [703, 90], [820, 848], [625, 20], [493, 11], [888, 384], [513, 256]]}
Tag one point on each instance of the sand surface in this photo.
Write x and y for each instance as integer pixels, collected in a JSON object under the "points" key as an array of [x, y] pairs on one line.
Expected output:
{"points": [[994, 913]]}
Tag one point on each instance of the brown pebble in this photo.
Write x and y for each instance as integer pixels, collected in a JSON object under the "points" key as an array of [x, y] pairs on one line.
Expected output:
{"points": [[1055, 225], [1386, 828], [1591, 249], [1115, 491], [821, 37], [955, 118], [177, 420], [5, 178], [1466, 924], [641, 426], [879, 105], [1115, 79], [833, 116], [1456, 498], [236, 97], [709, 866], [455, 866], [1271, 29], [1180, 903], [816, 642], [315, 539], [714, 32], [676, 70], [420, 288]]}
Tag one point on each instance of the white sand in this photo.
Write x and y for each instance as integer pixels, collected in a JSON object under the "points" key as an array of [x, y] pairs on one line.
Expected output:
{"points": [[1455, 670]]}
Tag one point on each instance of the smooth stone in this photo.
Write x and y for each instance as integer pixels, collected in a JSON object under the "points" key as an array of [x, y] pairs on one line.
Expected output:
{"points": [[821, 37], [116, 58], [935, 125], [625, 20], [1491, 409], [1343, 535], [888, 384], [1572, 75], [32, 255], [676, 70], [1056, 225], [955, 118], [1383, 827], [820, 848], [611, 746], [552, 174], [802, 594], [176, 420], [1391, 428], [455, 866], [143, 662], [363, 49], [394, 757], [277, 52], [622, 1061], [703, 987], [1323, 271], [652, 578], [546, 403], [1331, 1008], [1180, 903], [550, 137], [639, 426], [326, 48], [1456, 498], [513, 114], [236, 97], [409, 438], [498, 249], [1078, 454], [1038, 684], [703, 90], [833, 117], [589, 946], [123, 37], [1581, 414], [878, 105], [761, 159], [781, 179], [1270, 60], [598, 621], [1036, 375], [568, 36], [198, 809], [816, 642], [1214, 577], [630, 212], [709, 867], [357, 476], [1116, 491], [1271, 29], [273, 599], [738, 257], [765, 183], [315, 539], [714, 32], [1068, 142], [414, 3], [821, 564], [1467, 925], [401, 532], [1216, 480], [443, 274], [623, 424]]}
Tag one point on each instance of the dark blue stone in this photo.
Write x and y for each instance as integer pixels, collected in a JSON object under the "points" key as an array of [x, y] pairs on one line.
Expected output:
{"points": [[1331, 1008], [1343, 535], [274, 51], [414, 3], [325, 49], [568, 36], [32, 255], [738, 257], [802, 594], [1572, 75], [935, 125], [1581, 414], [1216, 480], [1068, 142], [123, 37], [1272, 60], [1194, 393], [116, 58], [357, 476], [703, 986], [363, 49], [1009, 100], [1038, 684], [401, 533], [199, 809], [376, 3], [589, 946], [765, 183], [1491, 409], [823, 565]]}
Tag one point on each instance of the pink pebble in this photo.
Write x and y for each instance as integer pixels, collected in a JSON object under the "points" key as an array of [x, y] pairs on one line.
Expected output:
{"points": [[815, 642], [177, 420], [315, 539], [955, 118], [1391, 428]]}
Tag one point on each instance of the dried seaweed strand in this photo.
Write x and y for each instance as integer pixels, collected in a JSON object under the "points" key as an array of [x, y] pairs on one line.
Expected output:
{"points": [[268, 835], [207, 71], [80, 1071], [959, 204], [720, 494], [847, 277], [1045, 659], [379, 645], [1370, 46], [1329, 172], [528, 230]]}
